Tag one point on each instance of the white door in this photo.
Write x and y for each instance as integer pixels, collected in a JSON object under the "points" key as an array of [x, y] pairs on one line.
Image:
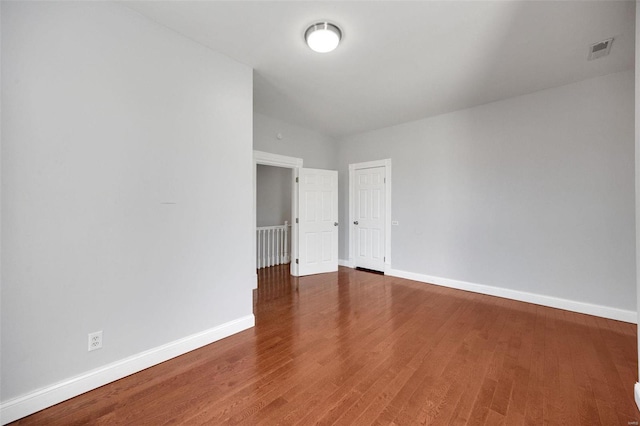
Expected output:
{"points": [[318, 221], [369, 218]]}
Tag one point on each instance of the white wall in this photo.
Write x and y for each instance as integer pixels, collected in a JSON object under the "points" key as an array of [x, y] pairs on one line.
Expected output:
{"points": [[533, 194], [317, 150], [637, 182], [119, 141], [273, 195]]}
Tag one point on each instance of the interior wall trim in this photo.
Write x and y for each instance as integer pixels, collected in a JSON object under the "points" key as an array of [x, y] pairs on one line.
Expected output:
{"points": [[538, 299], [32, 402]]}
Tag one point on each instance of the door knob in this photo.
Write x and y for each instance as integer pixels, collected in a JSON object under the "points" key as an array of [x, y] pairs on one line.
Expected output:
{"points": [[335, 223], [355, 222]]}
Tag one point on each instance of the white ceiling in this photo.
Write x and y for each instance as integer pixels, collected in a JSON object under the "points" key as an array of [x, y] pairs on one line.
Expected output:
{"points": [[401, 61]]}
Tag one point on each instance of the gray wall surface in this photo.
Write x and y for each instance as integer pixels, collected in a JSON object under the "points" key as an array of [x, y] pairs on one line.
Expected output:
{"points": [[637, 164], [273, 195], [318, 151], [534, 193], [126, 189]]}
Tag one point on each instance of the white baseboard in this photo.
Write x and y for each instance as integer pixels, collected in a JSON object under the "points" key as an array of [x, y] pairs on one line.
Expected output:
{"points": [[538, 299], [636, 394], [343, 262], [32, 402]]}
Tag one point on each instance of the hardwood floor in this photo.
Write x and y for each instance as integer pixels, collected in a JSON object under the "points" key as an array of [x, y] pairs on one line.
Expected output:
{"points": [[358, 348]]}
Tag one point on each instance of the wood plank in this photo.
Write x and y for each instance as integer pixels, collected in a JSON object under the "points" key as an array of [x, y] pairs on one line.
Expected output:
{"points": [[358, 348]]}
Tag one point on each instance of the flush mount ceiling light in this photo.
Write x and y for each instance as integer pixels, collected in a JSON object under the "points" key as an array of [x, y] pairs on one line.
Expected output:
{"points": [[323, 37]]}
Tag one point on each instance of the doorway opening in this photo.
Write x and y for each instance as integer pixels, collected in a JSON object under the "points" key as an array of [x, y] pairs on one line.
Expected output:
{"points": [[294, 165], [273, 215]]}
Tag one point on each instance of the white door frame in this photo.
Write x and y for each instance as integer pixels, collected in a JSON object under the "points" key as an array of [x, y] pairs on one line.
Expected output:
{"points": [[387, 220], [268, 159]]}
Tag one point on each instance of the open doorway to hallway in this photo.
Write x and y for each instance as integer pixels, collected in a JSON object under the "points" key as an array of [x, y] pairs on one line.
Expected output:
{"points": [[273, 215], [285, 167], [314, 218]]}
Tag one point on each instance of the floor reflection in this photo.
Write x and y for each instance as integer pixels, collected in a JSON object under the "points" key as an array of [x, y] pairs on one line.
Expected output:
{"points": [[274, 283], [276, 326]]}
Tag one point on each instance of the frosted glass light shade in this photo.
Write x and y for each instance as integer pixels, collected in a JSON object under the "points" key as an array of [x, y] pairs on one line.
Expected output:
{"points": [[323, 37]]}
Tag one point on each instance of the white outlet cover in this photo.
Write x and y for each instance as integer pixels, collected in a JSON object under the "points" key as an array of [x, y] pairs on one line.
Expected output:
{"points": [[95, 341]]}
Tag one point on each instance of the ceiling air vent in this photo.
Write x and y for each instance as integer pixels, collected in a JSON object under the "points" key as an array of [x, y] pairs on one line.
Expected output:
{"points": [[600, 49]]}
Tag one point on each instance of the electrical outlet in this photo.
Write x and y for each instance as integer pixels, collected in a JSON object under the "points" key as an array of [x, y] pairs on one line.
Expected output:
{"points": [[95, 340]]}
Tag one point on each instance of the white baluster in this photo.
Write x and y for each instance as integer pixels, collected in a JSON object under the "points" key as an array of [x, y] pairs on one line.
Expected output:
{"points": [[278, 246], [261, 248], [286, 242], [264, 249], [275, 246], [281, 245], [272, 245], [269, 247]]}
